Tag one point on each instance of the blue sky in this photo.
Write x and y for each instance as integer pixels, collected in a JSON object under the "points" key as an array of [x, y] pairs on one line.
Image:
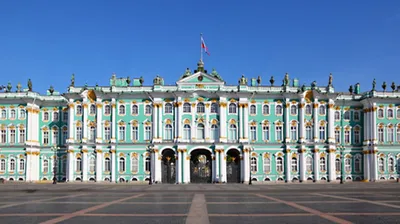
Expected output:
{"points": [[47, 41]]}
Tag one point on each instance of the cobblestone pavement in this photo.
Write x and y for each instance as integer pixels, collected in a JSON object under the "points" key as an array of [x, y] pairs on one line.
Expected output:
{"points": [[272, 203]]}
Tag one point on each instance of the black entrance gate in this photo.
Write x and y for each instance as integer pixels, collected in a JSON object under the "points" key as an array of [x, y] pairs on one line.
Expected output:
{"points": [[200, 169], [233, 167], [168, 168]]}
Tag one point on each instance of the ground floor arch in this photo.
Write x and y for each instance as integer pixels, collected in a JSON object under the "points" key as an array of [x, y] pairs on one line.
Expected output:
{"points": [[233, 169], [200, 166], [168, 164]]}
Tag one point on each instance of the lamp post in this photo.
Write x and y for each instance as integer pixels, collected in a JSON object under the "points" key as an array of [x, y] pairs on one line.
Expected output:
{"points": [[250, 151], [150, 148], [55, 150]]}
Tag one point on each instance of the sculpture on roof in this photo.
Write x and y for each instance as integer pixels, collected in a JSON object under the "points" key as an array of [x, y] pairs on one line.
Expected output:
{"points": [[157, 80], [215, 74], [243, 80], [29, 85], [286, 80], [303, 88], [272, 81], [141, 80], [384, 86], [330, 79], [357, 88], [314, 84], [72, 80], [19, 87], [393, 86], [259, 80], [128, 80], [9, 87], [51, 90], [351, 89], [373, 84], [113, 79]]}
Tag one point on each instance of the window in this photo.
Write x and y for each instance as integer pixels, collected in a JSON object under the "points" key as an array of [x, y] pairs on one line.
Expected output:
{"points": [[200, 131], [168, 108], [347, 137], [390, 134], [357, 165], [186, 132], [55, 137], [147, 164], [92, 164], [391, 165], [107, 165], [253, 133], [121, 110], [294, 164], [232, 108], [12, 136], [337, 136], [107, 110], [186, 108], [357, 139], [232, 135], [65, 116], [78, 133], [278, 133], [309, 134], [64, 136], [12, 114], [92, 134], [22, 165], [309, 164], [78, 110], [278, 110], [46, 116], [381, 165], [78, 165], [3, 165], [266, 133], [253, 164], [380, 113], [265, 109], [338, 167], [200, 108], [322, 164], [22, 114], [322, 110], [253, 110], [135, 133], [21, 135], [121, 165], [45, 166], [135, 110], [64, 165], [267, 165], [398, 113], [398, 134], [147, 133], [308, 109], [12, 165], [168, 132], [147, 109], [214, 108], [55, 116], [121, 132], [293, 110], [356, 115], [279, 165], [346, 115], [337, 115], [293, 133], [390, 113], [214, 132], [347, 165], [322, 132], [380, 135], [107, 133], [3, 114], [3, 136], [92, 109], [134, 165], [45, 137]]}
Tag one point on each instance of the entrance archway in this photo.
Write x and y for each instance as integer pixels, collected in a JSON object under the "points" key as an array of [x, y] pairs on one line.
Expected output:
{"points": [[168, 166], [200, 166], [233, 166]]}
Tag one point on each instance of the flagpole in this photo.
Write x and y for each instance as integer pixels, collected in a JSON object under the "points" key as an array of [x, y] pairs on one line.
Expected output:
{"points": [[201, 47]]}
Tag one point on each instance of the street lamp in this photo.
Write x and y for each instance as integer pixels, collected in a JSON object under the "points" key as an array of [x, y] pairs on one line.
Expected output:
{"points": [[55, 149], [150, 148]]}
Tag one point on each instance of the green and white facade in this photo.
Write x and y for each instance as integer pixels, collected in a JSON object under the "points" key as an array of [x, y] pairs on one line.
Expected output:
{"points": [[128, 132]]}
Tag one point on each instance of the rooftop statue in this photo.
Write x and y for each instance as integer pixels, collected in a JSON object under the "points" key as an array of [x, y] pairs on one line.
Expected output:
{"points": [[29, 85], [215, 74], [286, 80], [51, 90], [243, 80], [351, 89], [272, 81], [141, 80], [330, 79], [157, 80], [72, 80], [314, 84], [9, 87], [393, 86], [128, 80], [259, 80], [303, 88], [373, 85], [113, 79], [384, 86], [19, 87]]}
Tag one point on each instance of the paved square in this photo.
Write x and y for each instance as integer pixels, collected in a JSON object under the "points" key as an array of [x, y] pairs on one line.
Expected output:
{"points": [[203, 204]]}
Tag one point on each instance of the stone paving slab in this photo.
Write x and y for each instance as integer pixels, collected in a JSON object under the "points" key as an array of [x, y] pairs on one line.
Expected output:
{"points": [[251, 209], [25, 219], [139, 220], [236, 199], [160, 199], [379, 219], [44, 208], [350, 207], [269, 219], [145, 209]]}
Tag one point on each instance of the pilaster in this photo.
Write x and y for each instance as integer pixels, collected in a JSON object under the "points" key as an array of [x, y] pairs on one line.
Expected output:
{"points": [[99, 119], [217, 165], [287, 122], [331, 121], [70, 165], [301, 121], [85, 121], [99, 162], [71, 121], [373, 125], [85, 163], [316, 124], [207, 122], [316, 164], [113, 164], [303, 168], [222, 111], [288, 166], [114, 120], [179, 123], [367, 173], [245, 119], [331, 164]]}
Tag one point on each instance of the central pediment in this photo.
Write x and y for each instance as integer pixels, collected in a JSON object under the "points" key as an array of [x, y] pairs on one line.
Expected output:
{"points": [[200, 78]]}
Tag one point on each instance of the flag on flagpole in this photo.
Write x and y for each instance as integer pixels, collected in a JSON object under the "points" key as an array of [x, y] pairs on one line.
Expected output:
{"points": [[204, 46]]}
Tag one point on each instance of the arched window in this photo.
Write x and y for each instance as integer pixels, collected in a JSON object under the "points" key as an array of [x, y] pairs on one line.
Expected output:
{"points": [[92, 109], [390, 134], [232, 134], [134, 165], [12, 114], [168, 108], [293, 132], [294, 164], [322, 132], [121, 133], [22, 165], [253, 133], [308, 109], [253, 110], [267, 165], [398, 113], [55, 116], [390, 113], [380, 113], [64, 165], [121, 165], [107, 165], [266, 133], [381, 165], [45, 166], [278, 110], [3, 165], [148, 109], [278, 132], [147, 132], [309, 165], [357, 138], [135, 110], [380, 134], [107, 109], [309, 134], [186, 132], [46, 116], [357, 165], [293, 110], [337, 115], [200, 108], [232, 108], [346, 115], [265, 109], [78, 110], [92, 164], [322, 110], [92, 134], [279, 165], [21, 135], [356, 115], [214, 108], [168, 132], [107, 133], [254, 164], [135, 133], [78, 165], [338, 166], [22, 114], [391, 164], [186, 108], [3, 114], [147, 164], [322, 164], [214, 132], [347, 165], [347, 136], [121, 109], [200, 131]]}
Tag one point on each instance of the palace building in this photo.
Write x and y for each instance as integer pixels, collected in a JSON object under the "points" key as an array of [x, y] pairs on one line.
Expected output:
{"points": [[200, 130]]}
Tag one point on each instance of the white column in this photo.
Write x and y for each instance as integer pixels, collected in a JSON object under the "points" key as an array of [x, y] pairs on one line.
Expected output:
{"points": [[193, 131], [366, 165], [374, 156], [114, 120], [331, 121], [242, 167], [70, 166], [331, 164], [153, 165], [85, 121], [217, 161], [303, 168], [36, 166], [316, 125], [28, 166], [316, 164], [99, 120], [301, 121], [214, 159], [177, 117], [178, 166], [223, 166], [99, 167], [373, 125], [186, 167], [160, 122], [113, 165], [71, 122], [85, 164], [245, 119], [246, 165], [287, 121], [207, 124], [222, 113], [157, 166], [179, 123], [288, 166]]}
